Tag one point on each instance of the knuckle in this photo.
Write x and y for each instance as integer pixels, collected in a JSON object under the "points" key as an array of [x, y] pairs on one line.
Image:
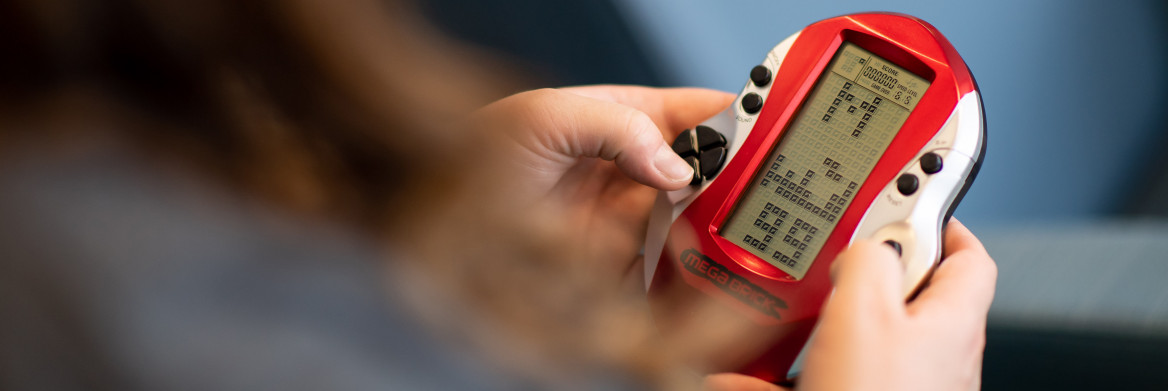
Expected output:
{"points": [[991, 267], [542, 94], [639, 123], [639, 130]]}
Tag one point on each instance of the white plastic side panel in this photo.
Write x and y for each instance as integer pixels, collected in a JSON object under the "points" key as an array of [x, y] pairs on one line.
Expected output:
{"points": [[736, 125], [915, 220]]}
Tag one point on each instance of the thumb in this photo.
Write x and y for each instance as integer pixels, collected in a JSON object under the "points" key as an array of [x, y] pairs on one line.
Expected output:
{"points": [[867, 276], [557, 125]]}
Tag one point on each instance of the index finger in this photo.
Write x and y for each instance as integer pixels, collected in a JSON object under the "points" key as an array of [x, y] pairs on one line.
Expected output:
{"points": [[966, 278], [672, 109]]}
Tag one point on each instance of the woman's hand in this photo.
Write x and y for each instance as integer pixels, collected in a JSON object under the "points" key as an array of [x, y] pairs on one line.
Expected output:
{"points": [[599, 154], [869, 339]]}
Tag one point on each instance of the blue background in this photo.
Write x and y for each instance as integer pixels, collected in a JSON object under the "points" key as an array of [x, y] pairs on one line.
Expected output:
{"points": [[1072, 90]]}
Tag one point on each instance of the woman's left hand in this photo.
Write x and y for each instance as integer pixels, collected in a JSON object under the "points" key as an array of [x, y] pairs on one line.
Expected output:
{"points": [[599, 154]]}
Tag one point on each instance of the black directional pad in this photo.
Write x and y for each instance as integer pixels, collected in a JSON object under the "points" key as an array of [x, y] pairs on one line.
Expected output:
{"points": [[685, 145], [711, 161], [704, 149], [709, 138]]}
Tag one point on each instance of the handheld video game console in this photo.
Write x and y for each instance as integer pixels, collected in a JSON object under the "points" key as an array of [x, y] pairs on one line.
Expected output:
{"points": [[860, 126]]}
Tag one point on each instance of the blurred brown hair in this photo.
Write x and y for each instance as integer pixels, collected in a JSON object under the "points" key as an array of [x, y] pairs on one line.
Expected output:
{"points": [[344, 111]]}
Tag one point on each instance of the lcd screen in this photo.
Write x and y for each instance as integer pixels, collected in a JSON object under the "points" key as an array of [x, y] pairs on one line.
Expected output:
{"points": [[795, 200]]}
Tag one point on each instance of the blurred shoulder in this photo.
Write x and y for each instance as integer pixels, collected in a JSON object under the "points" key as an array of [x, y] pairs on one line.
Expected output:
{"points": [[120, 271]]}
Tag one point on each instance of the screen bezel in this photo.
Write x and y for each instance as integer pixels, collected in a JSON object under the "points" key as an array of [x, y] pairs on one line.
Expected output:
{"points": [[778, 143], [676, 290], [880, 47]]}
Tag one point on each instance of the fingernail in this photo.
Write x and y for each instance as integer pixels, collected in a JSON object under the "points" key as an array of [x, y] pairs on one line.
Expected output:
{"points": [[672, 166]]}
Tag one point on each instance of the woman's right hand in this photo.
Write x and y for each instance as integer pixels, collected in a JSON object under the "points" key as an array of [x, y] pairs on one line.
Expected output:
{"points": [[868, 338]]}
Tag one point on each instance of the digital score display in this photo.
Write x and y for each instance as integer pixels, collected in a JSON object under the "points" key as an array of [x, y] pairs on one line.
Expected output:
{"points": [[795, 200]]}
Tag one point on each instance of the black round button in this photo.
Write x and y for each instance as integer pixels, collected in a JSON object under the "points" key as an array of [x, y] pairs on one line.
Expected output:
{"points": [[752, 103], [907, 184], [895, 246], [760, 75], [931, 163]]}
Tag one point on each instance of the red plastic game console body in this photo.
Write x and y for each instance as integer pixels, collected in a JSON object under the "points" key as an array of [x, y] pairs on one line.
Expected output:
{"points": [[688, 258]]}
